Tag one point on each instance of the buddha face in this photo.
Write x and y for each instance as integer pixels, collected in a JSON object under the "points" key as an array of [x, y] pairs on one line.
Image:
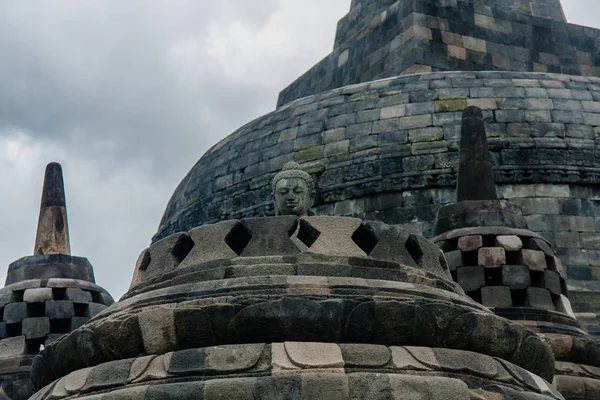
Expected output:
{"points": [[292, 197]]}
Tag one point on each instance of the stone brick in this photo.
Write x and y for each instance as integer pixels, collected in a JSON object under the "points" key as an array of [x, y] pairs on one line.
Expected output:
{"points": [[582, 224], [496, 296], [337, 148], [334, 135], [37, 295], [470, 243], [420, 108], [454, 259], [417, 121], [426, 134], [509, 116], [535, 260], [491, 257], [516, 277], [36, 328], [509, 242], [15, 312], [59, 309], [568, 240], [539, 104], [392, 112], [539, 298], [470, 278], [484, 104], [551, 281]]}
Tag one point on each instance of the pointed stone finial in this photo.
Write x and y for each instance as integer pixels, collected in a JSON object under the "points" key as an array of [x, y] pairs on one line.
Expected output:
{"points": [[475, 174], [53, 229]]}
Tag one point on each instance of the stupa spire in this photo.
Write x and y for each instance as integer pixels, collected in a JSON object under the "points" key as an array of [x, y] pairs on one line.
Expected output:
{"points": [[475, 174], [53, 228]]}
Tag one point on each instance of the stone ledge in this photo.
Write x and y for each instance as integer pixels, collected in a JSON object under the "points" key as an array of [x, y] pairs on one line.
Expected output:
{"points": [[408, 371]]}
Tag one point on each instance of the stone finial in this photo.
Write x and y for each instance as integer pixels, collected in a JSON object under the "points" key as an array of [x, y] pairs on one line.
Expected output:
{"points": [[53, 229], [293, 190], [475, 174]]}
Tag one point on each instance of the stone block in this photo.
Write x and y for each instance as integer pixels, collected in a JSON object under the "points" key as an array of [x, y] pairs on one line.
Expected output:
{"points": [[13, 347], [392, 112], [36, 328], [516, 277], [582, 224], [491, 257], [210, 243], [365, 355], [167, 254], [59, 309], [15, 312], [509, 242], [37, 295], [539, 298], [315, 355], [77, 322], [470, 243], [78, 295], [270, 236], [415, 121], [567, 240], [470, 278], [535, 260], [551, 281], [454, 259], [496, 296], [334, 235]]}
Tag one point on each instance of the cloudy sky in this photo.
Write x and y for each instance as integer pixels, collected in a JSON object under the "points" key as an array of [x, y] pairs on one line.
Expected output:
{"points": [[127, 95]]}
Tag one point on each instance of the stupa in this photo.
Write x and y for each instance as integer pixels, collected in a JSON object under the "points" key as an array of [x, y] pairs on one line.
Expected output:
{"points": [[295, 307], [377, 124], [45, 295], [510, 269]]}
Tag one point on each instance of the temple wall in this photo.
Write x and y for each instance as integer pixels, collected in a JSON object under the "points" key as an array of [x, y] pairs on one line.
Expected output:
{"points": [[423, 36]]}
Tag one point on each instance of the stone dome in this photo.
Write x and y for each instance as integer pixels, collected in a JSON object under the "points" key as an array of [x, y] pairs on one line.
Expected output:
{"points": [[366, 142]]}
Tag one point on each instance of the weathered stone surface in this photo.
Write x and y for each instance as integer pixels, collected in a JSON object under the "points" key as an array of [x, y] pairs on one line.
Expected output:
{"points": [[474, 164], [509, 242], [209, 244], [471, 278], [334, 236], [516, 277], [270, 237], [313, 355], [539, 298], [37, 295], [496, 296], [470, 243], [53, 230], [491, 257], [535, 260]]}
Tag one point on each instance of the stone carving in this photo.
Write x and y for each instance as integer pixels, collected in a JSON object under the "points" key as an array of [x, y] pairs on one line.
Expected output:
{"points": [[293, 191]]}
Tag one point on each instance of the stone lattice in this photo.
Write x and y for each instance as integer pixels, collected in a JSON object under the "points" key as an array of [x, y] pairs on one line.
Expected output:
{"points": [[281, 307]]}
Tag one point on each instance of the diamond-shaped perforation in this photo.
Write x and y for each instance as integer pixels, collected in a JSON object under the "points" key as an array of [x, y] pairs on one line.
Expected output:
{"points": [[182, 248], [307, 234], [238, 238], [365, 238], [414, 249]]}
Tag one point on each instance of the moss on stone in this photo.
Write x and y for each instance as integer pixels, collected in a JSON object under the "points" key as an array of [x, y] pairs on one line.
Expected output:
{"points": [[452, 105]]}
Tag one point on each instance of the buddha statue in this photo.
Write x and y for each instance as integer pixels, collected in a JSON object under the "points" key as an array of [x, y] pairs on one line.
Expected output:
{"points": [[293, 191]]}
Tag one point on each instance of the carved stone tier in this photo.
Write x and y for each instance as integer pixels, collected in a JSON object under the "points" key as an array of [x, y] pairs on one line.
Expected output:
{"points": [[316, 307]]}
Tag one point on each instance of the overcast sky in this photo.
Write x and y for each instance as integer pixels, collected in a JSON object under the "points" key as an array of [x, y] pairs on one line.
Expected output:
{"points": [[127, 95]]}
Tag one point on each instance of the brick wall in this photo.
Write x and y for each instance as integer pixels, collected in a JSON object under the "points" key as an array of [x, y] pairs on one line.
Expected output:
{"points": [[380, 39]]}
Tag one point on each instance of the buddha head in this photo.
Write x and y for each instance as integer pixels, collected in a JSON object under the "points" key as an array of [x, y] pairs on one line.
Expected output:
{"points": [[293, 191]]}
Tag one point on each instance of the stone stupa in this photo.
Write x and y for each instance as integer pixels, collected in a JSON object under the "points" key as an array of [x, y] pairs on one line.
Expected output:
{"points": [[295, 307], [46, 295], [515, 272]]}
